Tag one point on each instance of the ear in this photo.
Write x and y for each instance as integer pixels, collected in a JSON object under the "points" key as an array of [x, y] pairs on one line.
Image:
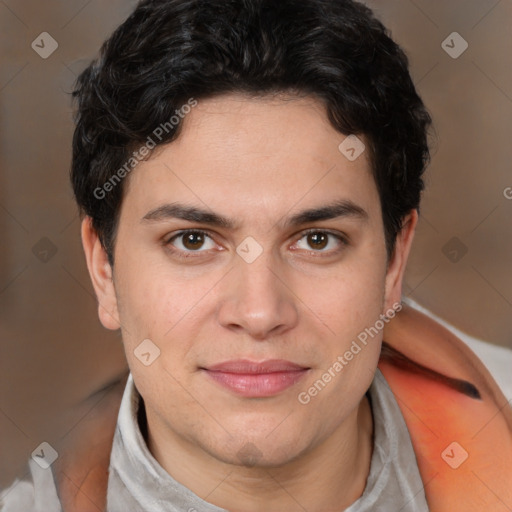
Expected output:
{"points": [[101, 274], [398, 262]]}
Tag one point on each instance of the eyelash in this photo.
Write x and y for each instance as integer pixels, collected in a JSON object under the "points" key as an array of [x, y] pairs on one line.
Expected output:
{"points": [[195, 254]]}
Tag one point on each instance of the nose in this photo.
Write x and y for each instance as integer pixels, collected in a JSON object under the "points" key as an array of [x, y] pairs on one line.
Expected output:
{"points": [[257, 300]]}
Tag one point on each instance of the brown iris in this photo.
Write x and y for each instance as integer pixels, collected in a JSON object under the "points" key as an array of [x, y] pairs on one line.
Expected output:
{"points": [[193, 240], [318, 240]]}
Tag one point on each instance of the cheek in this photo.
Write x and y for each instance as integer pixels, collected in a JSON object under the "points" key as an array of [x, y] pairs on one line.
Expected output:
{"points": [[351, 299], [165, 307], [157, 318], [350, 309], [147, 293]]}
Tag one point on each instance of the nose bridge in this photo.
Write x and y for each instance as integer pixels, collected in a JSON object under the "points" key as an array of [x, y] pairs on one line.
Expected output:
{"points": [[257, 300], [256, 271], [259, 275]]}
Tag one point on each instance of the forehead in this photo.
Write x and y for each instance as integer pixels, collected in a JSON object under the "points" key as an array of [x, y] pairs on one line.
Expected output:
{"points": [[237, 154]]}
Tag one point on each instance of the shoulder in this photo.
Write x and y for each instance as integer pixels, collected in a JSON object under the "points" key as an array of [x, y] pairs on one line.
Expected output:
{"points": [[497, 360], [84, 458]]}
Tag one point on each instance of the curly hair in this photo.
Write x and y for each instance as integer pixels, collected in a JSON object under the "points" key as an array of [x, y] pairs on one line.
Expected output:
{"points": [[169, 51]]}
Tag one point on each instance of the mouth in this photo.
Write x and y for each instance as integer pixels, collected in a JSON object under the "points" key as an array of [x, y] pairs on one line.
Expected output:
{"points": [[256, 379]]}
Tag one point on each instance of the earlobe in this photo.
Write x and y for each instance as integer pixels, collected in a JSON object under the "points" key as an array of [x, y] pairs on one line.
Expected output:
{"points": [[398, 262], [101, 276]]}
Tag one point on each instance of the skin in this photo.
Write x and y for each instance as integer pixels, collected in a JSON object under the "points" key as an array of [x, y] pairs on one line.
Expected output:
{"points": [[256, 162]]}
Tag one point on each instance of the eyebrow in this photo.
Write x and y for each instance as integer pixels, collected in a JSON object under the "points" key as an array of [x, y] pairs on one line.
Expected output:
{"points": [[337, 209]]}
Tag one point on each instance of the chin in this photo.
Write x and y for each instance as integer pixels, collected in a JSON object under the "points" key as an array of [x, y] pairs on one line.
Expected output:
{"points": [[258, 452]]}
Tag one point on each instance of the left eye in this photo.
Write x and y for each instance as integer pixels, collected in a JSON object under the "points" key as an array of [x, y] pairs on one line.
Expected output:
{"points": [[191, 241], [319, 240]]}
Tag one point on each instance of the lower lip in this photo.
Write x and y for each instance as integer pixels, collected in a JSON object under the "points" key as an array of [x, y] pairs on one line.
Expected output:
{"points": [[257, 385]]}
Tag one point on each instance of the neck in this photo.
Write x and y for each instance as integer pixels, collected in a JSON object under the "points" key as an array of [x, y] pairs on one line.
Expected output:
{"points": [[330, 476]]}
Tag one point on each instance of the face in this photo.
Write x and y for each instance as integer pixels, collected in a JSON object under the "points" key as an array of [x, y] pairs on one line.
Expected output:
{"points": [[251, 252]]}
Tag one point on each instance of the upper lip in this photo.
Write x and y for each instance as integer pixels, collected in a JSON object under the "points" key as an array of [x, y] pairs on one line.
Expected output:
{"points": [[244, 366]]}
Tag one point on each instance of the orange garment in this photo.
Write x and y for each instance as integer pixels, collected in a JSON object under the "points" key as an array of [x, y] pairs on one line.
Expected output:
{"points": [[445, 425]]}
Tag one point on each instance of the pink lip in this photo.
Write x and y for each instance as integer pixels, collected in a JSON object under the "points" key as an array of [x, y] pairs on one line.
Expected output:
{"points": [[256, 380]]}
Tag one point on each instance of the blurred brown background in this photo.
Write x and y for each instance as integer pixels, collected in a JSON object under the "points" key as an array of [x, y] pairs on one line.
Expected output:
{"points": [[54, 351]]}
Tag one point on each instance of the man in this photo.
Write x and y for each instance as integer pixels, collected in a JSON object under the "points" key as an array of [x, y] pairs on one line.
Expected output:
{"points": [[249, 173]]}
